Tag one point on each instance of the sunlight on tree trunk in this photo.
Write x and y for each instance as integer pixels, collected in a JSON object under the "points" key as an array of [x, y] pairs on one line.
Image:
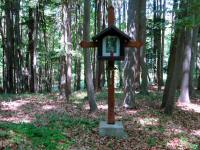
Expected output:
{"points": [[184, 96], [88, 70], [130, 60]]}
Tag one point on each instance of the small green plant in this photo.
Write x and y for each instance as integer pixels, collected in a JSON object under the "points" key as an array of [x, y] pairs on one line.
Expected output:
{"points": [[4, 134], [194, 146], [46, 132], [151, 141]]}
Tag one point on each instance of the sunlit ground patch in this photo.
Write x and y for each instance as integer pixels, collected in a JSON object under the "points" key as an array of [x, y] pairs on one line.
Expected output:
{"points": [[189, 107], [181, 143], [13, 106], [48, 107], [148, 121], [25, 110], [195, 133], [101, 106], [131, 112], [174, 129]]}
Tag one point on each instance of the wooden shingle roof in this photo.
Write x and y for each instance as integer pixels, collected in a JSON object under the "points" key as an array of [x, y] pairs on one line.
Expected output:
{"points": [[113, 31]]}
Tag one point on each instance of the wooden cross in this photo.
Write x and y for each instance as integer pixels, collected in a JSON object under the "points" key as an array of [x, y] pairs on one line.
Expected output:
{"points": [[111, 89]]}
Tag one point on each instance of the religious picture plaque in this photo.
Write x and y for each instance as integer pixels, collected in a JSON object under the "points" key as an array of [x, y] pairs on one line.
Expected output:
{"points": [[111, 44]]}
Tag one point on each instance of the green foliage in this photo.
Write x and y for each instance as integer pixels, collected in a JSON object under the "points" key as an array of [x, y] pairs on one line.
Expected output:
{"points": [[152, 96], [12, 97], [47, 132], [194, 146], [62, 120], [151, 141], [39, 136], [4, 134]]}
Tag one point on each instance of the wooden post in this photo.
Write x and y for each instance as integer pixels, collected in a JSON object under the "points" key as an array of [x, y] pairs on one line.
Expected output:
{"points": [[111, 15], [111, 87], [111, 92], [111, 71]]}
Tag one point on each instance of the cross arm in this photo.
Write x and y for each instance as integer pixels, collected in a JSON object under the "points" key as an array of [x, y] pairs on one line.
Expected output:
{"points": [[86, 44], [132, 43]]}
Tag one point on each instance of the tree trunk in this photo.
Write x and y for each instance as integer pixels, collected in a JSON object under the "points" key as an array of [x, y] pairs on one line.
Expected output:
{"points": [[171, 60], [157, 41], [63, 77], [184, 95], [171, 91], [69, 50], [18, 67], [142, 37], [163, 39], [10, 47], [130, 68], [171, 64], [31, 47], [3, 55], [100, 67], [193, 60], [88, 70]]}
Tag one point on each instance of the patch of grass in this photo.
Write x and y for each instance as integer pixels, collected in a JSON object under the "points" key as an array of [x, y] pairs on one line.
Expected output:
{"points": [[4, 134], [62, 120], [47, 132], [151, 141], [38, 136], [7, 97], [103, 95], [194, 146], [13, 97], [189, 145], [152, 96], [150, 111], [159, 129]]}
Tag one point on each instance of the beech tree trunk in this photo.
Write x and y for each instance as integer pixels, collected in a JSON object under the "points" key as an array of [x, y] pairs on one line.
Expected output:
{"points": [[157, 40], [88, 70], [142, 37], [10, 47], [100, 66], [66, 66], [193, 60], [170, 96], [184, 95], [131, 59], [31, 47], [69, 50], [172, 57]]}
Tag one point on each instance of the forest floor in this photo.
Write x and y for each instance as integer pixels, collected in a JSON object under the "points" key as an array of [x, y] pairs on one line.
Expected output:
{"points": [[42, 121]]}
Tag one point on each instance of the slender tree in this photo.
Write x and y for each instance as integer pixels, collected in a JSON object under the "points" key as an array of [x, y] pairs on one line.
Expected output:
{"points": [[88, 70], [130, 68]]}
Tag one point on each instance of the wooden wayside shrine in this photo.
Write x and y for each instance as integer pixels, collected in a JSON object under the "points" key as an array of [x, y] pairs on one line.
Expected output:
{"points": [[111, 43]]}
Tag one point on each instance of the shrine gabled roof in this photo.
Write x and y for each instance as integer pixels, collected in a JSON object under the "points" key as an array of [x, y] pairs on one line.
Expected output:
{"points": [[111, 30]]}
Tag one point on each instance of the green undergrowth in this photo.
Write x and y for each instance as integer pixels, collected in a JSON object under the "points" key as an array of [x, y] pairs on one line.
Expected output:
{"points": [[13, 97], [47, 132]]}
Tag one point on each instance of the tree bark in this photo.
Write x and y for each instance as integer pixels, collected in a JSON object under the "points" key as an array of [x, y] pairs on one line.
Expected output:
{"points": [[10, 47], [184, 95], [69, 50], [88, 70], [157, 41], [131, 59], [171, 60], [31, 47], [193, 60], [142, 37], [171, 91]]}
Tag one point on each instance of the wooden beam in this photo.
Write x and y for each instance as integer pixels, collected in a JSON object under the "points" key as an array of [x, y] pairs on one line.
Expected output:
{"points": [[134, 44], [111, 16], [86, 44]]}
